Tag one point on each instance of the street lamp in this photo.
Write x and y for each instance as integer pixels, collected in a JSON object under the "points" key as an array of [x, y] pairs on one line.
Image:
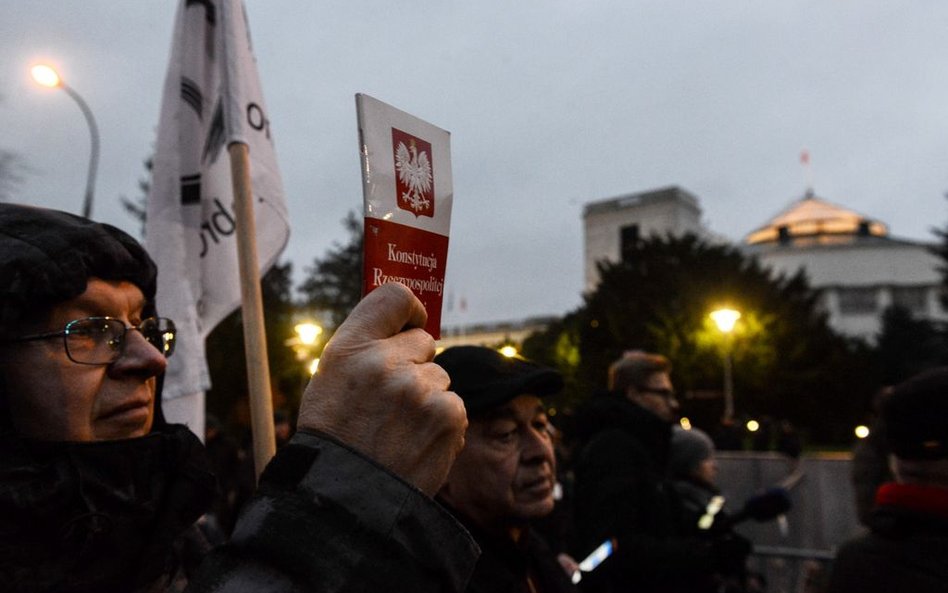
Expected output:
{"points": [[725, 320], [305, 344], [47, 76], [308, 332], [508, 351]]}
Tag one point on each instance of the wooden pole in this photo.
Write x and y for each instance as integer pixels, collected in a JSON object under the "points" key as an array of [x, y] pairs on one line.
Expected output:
{"points": [[255, 343]]}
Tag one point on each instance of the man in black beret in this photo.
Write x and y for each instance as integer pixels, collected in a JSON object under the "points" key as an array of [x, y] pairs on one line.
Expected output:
{"points": [[506, 473], [907, 548]]}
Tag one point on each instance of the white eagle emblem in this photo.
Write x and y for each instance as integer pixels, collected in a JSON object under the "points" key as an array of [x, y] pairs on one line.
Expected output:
{"points": [[414, 171]]}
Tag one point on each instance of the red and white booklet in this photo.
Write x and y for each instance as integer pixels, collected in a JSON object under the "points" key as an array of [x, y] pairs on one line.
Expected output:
{"points": [[408, 191]]}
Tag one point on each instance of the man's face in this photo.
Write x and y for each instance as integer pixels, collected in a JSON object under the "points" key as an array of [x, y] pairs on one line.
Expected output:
{"points": [[657, 396], [506, 472], [53, 398]]}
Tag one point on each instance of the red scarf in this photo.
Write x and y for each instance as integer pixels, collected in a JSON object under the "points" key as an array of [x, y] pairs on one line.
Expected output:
{"points": [[929, 500]]}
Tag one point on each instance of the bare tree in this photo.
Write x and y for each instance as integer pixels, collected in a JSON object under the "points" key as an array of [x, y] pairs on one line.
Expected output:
{"points": [[11, 174]]}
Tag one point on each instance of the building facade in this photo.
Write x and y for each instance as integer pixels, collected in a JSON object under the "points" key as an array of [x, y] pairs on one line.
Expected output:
{"points": [[611, 223], [850, 258], [858, 267]]}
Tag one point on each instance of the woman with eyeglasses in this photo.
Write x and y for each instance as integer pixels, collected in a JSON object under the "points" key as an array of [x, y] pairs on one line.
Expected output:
{"points": [[99, 493]]}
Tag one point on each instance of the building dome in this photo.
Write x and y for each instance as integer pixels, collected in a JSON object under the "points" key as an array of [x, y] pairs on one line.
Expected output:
{"points": [[815, 220]]}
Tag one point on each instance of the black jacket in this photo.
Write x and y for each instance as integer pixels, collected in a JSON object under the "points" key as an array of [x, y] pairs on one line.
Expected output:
{"points": [[505, 566], [326, 519], [621, 493], [102, 516], [729, 550], [907, 549]]}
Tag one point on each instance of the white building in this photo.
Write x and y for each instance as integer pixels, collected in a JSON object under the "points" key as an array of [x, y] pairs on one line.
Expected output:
{"points": [[851, 258], [611, 223]]}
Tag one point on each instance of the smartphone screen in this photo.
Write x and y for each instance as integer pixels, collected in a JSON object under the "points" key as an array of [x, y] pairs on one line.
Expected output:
{"points": [[590, 562]]}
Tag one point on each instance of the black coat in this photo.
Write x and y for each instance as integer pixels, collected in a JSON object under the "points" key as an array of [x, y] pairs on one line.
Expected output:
{"points": [[326, 519], [729, 549], [504, 565], [101, 516], [907, 549], [621, 493]]}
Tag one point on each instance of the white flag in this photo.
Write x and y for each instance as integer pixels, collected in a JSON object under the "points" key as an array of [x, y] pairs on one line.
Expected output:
{"points": [[212, 98]]}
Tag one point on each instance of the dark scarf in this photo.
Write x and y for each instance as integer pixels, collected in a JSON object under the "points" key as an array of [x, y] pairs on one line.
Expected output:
{"points": [[98, 516]]}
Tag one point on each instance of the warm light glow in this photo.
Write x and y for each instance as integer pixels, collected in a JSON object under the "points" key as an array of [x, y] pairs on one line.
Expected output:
{"points": [[685, 423], [313, 366], [753, 425], [45, 75], [725, 319], [508, 351], [862, 431], [308, 332]]}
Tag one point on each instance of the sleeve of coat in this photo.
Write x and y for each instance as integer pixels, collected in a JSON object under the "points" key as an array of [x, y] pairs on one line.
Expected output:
{"points": [[326, 519]]}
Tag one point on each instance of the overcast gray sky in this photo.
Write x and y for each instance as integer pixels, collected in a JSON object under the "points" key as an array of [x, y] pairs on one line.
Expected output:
{"points": [[551, 104]]}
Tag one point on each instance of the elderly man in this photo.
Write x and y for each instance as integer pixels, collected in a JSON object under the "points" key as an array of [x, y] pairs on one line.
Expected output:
{"points": [[505, 475], [907, 547], [99, 493]]}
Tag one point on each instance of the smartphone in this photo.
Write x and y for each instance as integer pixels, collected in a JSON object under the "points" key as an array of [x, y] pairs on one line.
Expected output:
{"points": [[590, 562]]}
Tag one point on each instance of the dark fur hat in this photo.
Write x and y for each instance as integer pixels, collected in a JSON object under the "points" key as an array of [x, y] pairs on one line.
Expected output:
{"points": [[48, 256], [916, 416]]}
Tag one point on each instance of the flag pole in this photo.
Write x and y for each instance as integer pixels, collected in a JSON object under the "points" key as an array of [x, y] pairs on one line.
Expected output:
{"points": [[255, 344]]}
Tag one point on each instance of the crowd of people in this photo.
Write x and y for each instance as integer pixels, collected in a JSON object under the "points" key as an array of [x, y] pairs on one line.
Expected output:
{"points": [[407, 470]]}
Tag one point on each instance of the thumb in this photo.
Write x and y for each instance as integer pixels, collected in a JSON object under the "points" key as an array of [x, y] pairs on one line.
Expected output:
{"points": [[384, 312]]}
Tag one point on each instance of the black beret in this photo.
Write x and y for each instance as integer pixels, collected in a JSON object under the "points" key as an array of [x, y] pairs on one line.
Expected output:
{"points": [[485, 378], [48, 256], [916, 416]]}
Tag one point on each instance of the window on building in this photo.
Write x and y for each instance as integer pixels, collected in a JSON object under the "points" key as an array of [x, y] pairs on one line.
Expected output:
{"points": [[628, 239], [912, 298], [857, 300]]}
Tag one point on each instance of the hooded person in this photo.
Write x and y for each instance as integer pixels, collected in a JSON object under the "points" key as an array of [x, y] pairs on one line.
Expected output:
{"points": [[906, 548], [692, 470], [97, 491]]}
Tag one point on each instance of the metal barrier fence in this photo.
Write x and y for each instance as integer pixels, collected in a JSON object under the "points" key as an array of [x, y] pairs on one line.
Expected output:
{"points": [[794, 554]]}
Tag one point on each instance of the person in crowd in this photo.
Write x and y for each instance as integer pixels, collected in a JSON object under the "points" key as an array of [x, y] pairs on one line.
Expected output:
{"points": [[788, 440], [505, 475], [907, 547], [224, 456], [693, 472], [282, 428], [99, 493], [870, 467], [621, 491], [728, 436]]}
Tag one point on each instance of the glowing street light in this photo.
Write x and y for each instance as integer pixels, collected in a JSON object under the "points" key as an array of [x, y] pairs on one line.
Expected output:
{"points": [[47, 76], [508, 351], [725, 320], [308, 332]]}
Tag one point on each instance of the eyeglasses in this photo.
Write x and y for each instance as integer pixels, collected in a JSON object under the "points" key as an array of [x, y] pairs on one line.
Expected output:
{"points": [[101, 340], [659, 391]]}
